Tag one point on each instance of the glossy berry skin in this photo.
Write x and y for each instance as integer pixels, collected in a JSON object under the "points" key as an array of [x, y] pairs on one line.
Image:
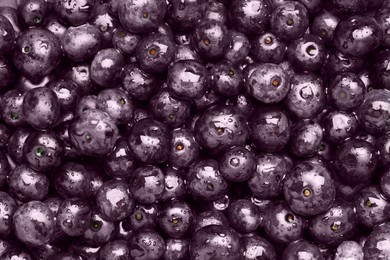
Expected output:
{"points": [[141, 16], [37, 52], [115, 250], [6, 246], [16, 143], [80, 74], [125, 41], [5, 135], [147, 245], [350, 7], [243, 103], [356, 161], [237, 164], [268, 83], [313, 7], [64, 256], [268, 47], [176, 249], [184, 149], [106, 66], [238, 47], [175, 188], [74, 13], [67, 92], [93, 133], [282, 225], [382, 19], [220, 204], [149, 141], [350, 39], [116, 103], [183, 15], [25, 84], [250, 16], [114, 201], [176, 219], [267, 180], [307, 53], [339, 125], [309, 189], [81, 42], [221, 127], [11, 14], [335, 225], [144, 216], [185, 52], [226, 79], [374, 113], [247, 67], [32, 12], [35, 218], [289, 20], [270, 135], [168, 109], [385, 183], [209, 99], [187, 79], [73, 216], [41, 108], [147, 184], [86, 103], [210, 39], [208, 218], [124, 230], [243, 216], [43, 151], [307, 95], [324, 25], [139, 84], [73, 180], [383, 144], [26, 184], [204, 181], [7, 36], [256, 247], [349, 249], [4, 168], [8, 207], [215, 10], [155, 52], [306, 138], [372, 247], [338, 62], [49, 250], [346, 91], [215, 242], [7, 74], [372, 208], [12, 108], [380, 72], [83, 249], [53, 24], [119, 164], [296, 249], [106, 22], [17, 253]]}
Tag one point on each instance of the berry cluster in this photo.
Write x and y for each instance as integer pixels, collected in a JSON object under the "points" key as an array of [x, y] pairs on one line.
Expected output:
{"points": [[195, 130]]}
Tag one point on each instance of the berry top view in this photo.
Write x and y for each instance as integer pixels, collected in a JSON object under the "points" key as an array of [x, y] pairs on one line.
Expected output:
{"points": [[194, 129]]}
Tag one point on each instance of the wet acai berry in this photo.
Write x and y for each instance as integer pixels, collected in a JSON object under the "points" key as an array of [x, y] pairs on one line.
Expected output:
{"points": [[194, 129]]}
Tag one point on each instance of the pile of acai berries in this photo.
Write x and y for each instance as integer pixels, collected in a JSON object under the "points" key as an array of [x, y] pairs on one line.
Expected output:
{"points": [[195, 130]]}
